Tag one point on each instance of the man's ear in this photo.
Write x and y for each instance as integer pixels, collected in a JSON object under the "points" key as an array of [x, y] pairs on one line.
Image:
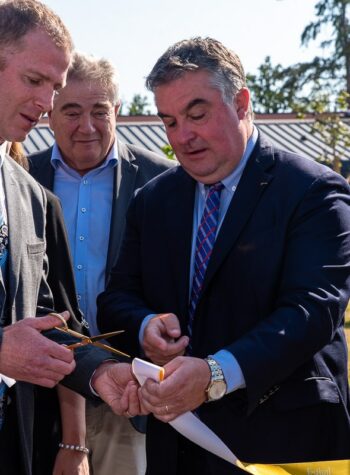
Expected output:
{"points": [[117, 109], [50, 119], [242, 101]]}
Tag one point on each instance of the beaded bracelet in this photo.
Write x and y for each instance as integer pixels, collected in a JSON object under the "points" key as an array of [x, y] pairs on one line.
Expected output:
{"points": [[77, 448]]}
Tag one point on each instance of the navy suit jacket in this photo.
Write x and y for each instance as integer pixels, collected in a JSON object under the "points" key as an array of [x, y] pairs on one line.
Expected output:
{"points": [[274, 295]]}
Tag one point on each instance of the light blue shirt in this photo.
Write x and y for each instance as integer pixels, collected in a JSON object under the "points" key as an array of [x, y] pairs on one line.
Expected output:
{"points": [[87, 208], [230, 367]]}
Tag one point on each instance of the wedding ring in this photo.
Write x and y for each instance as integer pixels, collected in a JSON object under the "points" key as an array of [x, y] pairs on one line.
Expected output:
{"points": [[166, 409]]}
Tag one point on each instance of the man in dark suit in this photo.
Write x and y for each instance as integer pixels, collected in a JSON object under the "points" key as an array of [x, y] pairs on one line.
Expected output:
{"points": [[234, 273], [35, 51], [95, 176]]}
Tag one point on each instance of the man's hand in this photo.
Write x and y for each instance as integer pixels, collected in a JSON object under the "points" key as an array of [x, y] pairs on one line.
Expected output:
{"points": [[162, 340], [182, 390], [116, 385], [26, 355]]}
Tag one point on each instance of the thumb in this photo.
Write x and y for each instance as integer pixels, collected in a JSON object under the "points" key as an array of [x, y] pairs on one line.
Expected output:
{"points": [[172, 325], [51, 320]]}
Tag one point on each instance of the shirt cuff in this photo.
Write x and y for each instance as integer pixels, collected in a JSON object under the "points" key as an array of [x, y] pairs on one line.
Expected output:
{"points": [[143, 326], [232, 371], [95, 393]]}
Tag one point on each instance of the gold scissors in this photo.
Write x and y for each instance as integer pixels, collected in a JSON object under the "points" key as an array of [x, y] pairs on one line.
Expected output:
{"points": [[88, 340]]}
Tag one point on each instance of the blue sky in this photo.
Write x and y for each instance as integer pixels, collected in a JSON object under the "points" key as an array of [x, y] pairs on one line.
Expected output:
{"points": [[134, 33]]}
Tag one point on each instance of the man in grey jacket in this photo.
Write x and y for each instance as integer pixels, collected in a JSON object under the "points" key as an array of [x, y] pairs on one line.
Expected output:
{"points": [[35, 54]]}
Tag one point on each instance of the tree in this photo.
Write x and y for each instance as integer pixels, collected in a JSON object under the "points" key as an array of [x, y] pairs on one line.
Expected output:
{"points": [[328, 125], [168, 151], [286, 87], [272, 91], [334, 14], [138, 105]]}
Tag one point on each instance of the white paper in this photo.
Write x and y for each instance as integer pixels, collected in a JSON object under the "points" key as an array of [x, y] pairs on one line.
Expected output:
{"points": [[187, 424]]}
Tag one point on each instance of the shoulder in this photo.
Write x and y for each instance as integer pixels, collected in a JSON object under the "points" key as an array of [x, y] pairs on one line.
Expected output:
{"points": [[39, 158], [172, 180], [145, 158], [29, 186], [291, 168]]}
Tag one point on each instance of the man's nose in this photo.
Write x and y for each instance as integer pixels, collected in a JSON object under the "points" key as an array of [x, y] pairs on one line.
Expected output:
{"points": [[44, 100], [86, 124], [184, 134]]}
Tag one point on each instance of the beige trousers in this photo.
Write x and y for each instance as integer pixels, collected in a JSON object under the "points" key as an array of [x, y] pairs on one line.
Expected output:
{"points": [[116, 447]]}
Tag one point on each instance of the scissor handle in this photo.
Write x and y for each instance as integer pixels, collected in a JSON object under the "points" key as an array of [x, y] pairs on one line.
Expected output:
{"points": [[54, 314]]}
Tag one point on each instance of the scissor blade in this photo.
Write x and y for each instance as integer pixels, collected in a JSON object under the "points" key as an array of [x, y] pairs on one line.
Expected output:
{"points": [[72, 332], [104, 336], [79, 344], [109, 348]]}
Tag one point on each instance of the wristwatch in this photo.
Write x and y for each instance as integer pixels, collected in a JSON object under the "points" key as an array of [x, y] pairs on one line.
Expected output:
{"points": [[217, 386]]}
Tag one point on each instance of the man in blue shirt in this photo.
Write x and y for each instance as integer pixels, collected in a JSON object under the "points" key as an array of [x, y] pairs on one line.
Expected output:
{"points": [[95, 176]]}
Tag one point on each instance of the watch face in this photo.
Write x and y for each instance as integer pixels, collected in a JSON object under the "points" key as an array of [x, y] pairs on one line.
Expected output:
{"points": [[217, 390]]}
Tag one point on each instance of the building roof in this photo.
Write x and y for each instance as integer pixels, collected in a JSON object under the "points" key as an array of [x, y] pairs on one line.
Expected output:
{"points": [[285, 130]]}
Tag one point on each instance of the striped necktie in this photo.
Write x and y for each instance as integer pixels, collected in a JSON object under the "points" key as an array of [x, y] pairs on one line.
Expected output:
{"points": [[206, 235]]}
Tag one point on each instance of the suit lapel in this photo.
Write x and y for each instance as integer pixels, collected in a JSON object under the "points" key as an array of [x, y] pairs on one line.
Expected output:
{"points": [[43, 171], [253, 183], [2, 290], [178, 224], [123, 189], [14, 216]]}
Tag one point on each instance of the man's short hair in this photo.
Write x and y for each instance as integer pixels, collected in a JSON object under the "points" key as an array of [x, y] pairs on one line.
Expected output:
{"points": [[87, 68], [19, 17], [197, 54]]}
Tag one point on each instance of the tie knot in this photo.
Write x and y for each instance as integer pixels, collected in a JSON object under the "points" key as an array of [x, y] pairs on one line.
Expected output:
{"points": [[215, 188]]}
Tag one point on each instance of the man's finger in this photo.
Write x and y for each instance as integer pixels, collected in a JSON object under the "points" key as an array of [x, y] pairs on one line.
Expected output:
{"points": [[171, 324], [48, 322]]}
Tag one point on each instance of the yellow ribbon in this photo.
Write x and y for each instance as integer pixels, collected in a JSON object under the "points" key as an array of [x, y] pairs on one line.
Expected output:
{"points": [[331, 467]]}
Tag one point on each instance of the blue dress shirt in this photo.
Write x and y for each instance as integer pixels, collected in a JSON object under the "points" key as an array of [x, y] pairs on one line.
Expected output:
{"points": [[87, 207]]}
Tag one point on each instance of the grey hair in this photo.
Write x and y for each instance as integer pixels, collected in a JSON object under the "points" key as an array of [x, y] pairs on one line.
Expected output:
{"points": [[195, 54], [87, 68], [19, 17]]}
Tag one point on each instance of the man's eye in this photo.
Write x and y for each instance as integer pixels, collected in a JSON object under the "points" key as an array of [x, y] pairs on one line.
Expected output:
{"points": [[72, 114], [101, 115], [169, 124], [197, 116], [33, 81]]}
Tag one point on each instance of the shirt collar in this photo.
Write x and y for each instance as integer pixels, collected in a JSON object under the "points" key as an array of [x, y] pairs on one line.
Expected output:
{"points": [[110, 161], [3, 150], [231, 181]]}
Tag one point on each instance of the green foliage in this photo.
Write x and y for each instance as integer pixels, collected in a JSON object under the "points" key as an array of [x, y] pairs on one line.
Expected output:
{"points": [[277, 89], [138, 105], [169, 152], [272, 90], [333, 14], [320, 87], [328, 124]]}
